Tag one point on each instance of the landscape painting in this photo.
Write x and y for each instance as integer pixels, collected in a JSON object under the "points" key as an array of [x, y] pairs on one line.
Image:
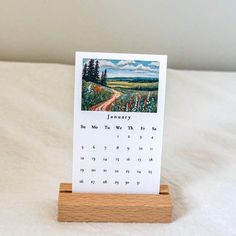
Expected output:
{"points": [[120, 85]]}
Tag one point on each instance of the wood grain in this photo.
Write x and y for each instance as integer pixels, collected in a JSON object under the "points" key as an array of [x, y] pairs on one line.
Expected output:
{"points": [[90, 207]]}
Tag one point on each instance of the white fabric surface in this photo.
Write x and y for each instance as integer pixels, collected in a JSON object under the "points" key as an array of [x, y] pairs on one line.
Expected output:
{"points": [[36, 112]]}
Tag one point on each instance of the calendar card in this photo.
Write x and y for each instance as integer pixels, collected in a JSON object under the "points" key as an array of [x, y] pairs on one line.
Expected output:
{"points": [[118, 122]]}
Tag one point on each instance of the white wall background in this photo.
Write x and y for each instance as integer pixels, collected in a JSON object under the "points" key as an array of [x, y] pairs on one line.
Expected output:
{"points": [[198, 34]]}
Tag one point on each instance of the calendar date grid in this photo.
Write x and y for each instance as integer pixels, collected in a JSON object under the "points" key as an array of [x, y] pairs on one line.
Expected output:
{"points": [[106, 163]]}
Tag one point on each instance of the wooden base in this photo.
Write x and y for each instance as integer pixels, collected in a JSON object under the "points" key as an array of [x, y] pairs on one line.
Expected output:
{"points": [[90, 207]]}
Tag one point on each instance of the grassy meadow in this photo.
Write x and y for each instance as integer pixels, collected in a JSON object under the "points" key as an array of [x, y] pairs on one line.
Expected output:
{"points": [[136, 94]]}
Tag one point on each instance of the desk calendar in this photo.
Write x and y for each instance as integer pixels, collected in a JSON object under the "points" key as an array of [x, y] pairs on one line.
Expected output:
{"points": [[118, 123]]}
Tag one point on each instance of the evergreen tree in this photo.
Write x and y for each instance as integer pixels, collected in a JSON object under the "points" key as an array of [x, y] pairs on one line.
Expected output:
{"points": [[104, 78], [91, 70], [96, 72], [85, 72]]}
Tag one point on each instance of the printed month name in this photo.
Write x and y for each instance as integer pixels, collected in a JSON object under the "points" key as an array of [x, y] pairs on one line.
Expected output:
{"points": [[118, 117]]}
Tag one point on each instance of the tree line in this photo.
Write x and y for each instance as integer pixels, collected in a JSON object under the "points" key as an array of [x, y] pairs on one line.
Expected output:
{"points": [[91, 73]]}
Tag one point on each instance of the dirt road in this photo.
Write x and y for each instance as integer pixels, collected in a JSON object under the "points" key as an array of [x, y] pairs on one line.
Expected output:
{"points": [[106, 105]]}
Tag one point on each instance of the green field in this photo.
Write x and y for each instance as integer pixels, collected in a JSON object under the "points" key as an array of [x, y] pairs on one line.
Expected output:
{"points": [[149, 86]]}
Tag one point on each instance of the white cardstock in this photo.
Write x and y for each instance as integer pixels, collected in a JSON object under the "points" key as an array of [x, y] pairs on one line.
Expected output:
{"points": [[118, 122]]}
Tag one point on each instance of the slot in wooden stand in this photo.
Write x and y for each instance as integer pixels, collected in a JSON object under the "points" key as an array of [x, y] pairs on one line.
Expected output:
{"points": [[90, 207]]}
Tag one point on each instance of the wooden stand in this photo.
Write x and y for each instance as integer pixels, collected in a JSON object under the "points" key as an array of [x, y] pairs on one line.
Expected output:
{"points": [[90, 207]]}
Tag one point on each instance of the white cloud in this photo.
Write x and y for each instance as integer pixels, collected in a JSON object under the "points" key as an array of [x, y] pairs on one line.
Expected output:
{"points": [[144, 68], [125, 62], [128, 67], [139, 67], [154, 63], [107, 63]]}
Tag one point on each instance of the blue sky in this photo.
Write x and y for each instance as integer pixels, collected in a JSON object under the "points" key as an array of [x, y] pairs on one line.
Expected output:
{"points": [[128, 68]]}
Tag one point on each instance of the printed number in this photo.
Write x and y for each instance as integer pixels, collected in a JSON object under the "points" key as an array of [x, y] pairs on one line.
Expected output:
{"points": [[93, 159], [82, 158], [128, 148], [92, 181], [140, 137], [94, 147], [82, 147], [105, 147]]}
